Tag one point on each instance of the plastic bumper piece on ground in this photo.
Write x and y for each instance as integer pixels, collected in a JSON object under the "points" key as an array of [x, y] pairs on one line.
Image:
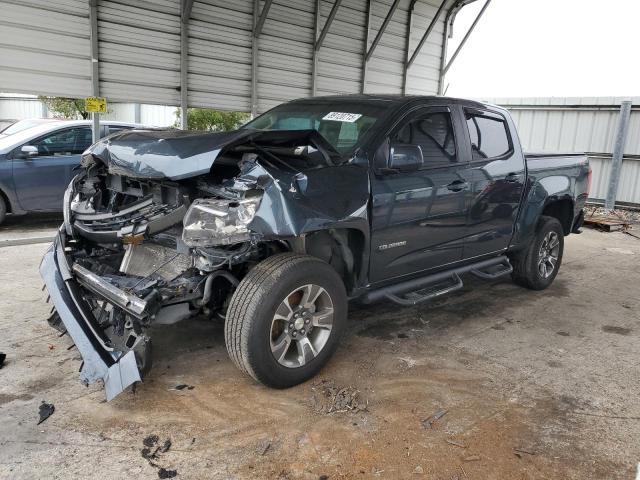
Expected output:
{"points": [[101, 362]]}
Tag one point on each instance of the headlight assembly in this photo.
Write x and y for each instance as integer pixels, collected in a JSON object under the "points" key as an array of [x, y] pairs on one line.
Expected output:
{"points": [[211, 222]]}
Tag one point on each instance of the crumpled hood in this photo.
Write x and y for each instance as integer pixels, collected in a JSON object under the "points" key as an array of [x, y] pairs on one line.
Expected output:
{"points": [[173, 154], [179, 154]]}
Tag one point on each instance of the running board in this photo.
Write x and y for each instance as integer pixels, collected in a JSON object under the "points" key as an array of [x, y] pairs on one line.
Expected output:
{"points": [[419, 290]]}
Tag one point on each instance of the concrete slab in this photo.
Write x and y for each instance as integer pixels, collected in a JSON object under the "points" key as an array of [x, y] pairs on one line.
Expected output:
{"points": [[535, 384]]}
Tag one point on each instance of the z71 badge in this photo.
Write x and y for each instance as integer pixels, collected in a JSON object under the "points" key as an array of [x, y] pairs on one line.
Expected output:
{"points": [[392, 245]]}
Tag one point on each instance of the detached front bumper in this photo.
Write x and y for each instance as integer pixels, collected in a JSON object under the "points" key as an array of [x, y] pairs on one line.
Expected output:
{"points": [[100, 360]]}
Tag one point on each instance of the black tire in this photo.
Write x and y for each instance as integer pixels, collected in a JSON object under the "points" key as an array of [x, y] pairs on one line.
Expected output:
{"points": [[3, 210], [526, 267], [248, 326]]}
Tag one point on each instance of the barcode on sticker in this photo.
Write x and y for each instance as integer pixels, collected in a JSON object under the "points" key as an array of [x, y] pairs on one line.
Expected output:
{"points": [[342, 116]]}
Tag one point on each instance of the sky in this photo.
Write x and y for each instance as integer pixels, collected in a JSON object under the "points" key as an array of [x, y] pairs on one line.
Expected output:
{"points": [[544, 48]]}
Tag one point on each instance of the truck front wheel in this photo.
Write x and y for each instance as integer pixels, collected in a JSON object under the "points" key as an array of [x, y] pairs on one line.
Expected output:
{"points": [[285, 319], [536, 267]]}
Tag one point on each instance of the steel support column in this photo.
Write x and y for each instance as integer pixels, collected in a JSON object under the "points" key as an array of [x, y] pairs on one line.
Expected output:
{"points": [[465, 38], [407, 46], [185, 14], [447, 34], [258, 22], [95, 66], [618, 153], [314, 61], [365, 64], [320, 40]]}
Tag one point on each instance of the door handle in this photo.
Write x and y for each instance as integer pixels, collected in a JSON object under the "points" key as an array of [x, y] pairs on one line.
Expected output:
{"points": [[457, 185], [512, 177]]}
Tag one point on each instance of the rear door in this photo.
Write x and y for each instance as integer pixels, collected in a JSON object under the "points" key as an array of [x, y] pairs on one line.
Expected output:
{"points": [[40, 180], [419, 217], [497, 176]]}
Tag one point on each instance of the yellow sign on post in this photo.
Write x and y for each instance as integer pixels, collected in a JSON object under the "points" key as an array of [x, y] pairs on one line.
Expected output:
{"points": [[95, 104]]}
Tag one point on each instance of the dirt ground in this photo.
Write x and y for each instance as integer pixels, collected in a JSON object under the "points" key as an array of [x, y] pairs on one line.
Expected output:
{"points": [[526, 385]]}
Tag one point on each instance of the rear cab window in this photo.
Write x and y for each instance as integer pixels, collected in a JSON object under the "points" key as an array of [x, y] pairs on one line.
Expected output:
{"points": [[489, 135]]}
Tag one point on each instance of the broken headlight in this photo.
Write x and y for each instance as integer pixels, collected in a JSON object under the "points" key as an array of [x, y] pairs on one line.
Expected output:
{"points": [[212, 222]]}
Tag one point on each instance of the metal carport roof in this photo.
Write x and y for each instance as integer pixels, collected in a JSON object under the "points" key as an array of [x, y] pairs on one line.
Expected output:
{"points": [[245, 55]]}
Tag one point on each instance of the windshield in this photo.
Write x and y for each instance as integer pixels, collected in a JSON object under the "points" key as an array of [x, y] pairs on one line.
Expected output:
{"points": [[343, 125]]}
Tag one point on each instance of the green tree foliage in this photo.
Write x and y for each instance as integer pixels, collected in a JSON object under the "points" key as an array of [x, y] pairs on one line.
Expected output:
{"points": [[212, 120], [69, 108]]}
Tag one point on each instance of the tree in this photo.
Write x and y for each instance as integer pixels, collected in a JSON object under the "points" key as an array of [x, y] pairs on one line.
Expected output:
{"points": [[62, 107], [212, 120]]}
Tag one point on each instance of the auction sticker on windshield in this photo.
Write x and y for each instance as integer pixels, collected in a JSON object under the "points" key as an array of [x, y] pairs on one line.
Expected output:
{"points": [[342, 116]]}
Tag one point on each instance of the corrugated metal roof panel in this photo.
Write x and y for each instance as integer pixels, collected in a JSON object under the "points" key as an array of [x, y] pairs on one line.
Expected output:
{"points": [[139, 50]]}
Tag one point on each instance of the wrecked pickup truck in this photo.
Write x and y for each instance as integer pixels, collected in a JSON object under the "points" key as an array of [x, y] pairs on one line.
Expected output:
{"points": [[274, 227]]}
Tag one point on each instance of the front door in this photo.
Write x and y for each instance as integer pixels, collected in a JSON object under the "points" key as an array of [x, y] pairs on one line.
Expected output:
{"points": [[40, 180], [497, 179], [419, 216]]}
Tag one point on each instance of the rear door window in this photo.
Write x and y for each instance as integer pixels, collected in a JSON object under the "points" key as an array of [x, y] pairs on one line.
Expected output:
{"points": [[64, 142], [489, 136]]}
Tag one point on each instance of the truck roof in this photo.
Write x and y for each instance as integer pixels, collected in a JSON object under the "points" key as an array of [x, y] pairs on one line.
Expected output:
{"points": [[390, 100]]}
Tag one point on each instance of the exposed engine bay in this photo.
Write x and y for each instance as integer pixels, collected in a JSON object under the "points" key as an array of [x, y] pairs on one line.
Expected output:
{"points": [[148, 249]]}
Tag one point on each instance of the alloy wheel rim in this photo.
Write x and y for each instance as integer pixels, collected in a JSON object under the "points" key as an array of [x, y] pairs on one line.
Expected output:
{"points": [[548, 254], [301, 326]]}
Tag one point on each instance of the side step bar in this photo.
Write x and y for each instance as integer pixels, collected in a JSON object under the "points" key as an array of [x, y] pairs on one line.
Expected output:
{"points": [[419, 290]]}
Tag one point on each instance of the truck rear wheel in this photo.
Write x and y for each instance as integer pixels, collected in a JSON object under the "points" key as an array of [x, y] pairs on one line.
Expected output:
{"points": [[537, 266], [285, 319]]}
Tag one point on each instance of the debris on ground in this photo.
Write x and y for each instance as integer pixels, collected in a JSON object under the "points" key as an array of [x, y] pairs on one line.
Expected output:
{"points": [[150, 441], [46, 410], [182, 386], [264, 447], [520, 451], [418, 470], [153, 450], [329, 398], [3, 357], [164, 473], [472, 458], [456, 443], [428, 422]]}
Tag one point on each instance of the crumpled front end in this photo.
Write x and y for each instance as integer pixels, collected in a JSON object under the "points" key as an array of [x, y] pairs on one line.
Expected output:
{"points": [[140, 247]]}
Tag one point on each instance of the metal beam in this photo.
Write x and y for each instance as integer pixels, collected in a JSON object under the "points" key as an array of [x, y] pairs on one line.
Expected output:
{"points": [[618, 153], [387, 19], [447, 34], [465, 38], [426, 35], [407, 46], [257, 29], [314, 62], [365, 64], [184, 62], [327, 24], [95, 66], [255, 47], [187, 6]]}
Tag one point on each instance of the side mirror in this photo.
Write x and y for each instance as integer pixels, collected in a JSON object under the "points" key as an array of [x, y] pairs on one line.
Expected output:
{"points": [[405, 158], [29, 150]]}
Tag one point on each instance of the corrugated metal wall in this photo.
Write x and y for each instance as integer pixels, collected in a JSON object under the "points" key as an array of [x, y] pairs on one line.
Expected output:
{"points": [[584, 125], [46, 50], [44, 47]]}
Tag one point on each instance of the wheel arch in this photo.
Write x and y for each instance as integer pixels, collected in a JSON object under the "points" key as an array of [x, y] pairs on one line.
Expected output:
{"points": [[561, 208], [342, 248]]}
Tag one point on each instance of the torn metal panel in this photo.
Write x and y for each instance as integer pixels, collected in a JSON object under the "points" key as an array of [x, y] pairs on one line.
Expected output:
{"points": [[99, 363]]}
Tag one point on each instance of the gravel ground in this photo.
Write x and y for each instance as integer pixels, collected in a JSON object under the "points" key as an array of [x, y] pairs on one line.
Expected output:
{"points": [[494, 382]]}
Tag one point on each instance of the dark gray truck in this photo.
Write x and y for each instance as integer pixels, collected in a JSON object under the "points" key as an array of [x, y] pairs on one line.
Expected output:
{"points": [[275, 227]]}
